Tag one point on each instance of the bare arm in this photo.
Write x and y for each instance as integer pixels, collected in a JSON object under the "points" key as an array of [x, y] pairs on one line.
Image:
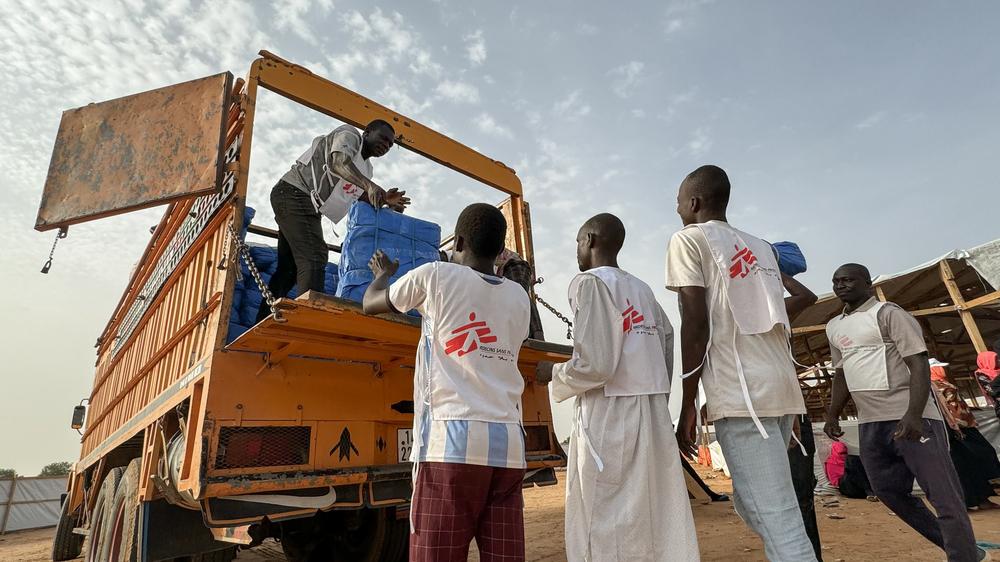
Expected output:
{"points": [[343, 166], [800, 297], [694, 342], [376, 299], [910, 428], [838, 399]]}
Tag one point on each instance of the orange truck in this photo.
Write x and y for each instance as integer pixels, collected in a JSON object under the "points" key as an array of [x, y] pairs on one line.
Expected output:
{"points": [[299, 429]]}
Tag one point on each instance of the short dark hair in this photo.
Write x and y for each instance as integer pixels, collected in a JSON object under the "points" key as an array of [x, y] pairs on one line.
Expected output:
{"points": [[858, 268], [711, 184], [379, 124], [609, 230], [483, 228]]}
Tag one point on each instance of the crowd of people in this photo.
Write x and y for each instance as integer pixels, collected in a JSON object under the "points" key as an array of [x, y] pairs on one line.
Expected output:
{"points": [[626, 497]]}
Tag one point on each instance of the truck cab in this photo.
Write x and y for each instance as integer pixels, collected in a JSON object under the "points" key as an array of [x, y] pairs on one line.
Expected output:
{"points": [[203, 435]]}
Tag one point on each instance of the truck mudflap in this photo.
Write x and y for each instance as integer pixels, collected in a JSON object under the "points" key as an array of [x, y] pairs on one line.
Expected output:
{"points": [[170, 532]]}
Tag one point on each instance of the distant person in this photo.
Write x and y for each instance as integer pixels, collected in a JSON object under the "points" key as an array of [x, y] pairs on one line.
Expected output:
{"points": [[974, 457], [468, 447], [734, 339], [881, 360], [332, 174], [987, 371], [626, 499]]}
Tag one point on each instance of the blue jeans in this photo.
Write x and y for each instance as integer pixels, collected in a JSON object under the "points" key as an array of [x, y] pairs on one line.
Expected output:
{"points": [[762, 485]]}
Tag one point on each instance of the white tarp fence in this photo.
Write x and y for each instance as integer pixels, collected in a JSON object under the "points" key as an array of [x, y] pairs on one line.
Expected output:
{"points": [[30, 503]]}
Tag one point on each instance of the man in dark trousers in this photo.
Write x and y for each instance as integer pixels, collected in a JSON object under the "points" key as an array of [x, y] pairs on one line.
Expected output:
{"points": [[326, 180], [880, 358]]}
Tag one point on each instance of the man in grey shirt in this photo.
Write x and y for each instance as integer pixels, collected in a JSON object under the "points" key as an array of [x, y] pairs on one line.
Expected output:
{"points": [[878, 351], [326, 180]]}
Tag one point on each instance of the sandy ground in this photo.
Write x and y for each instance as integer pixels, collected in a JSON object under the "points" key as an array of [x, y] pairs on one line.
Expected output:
{"points": [[868, 531]]}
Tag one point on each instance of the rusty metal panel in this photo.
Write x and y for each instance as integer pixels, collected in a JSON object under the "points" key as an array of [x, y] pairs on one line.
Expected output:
{"points": [[138, 151]]}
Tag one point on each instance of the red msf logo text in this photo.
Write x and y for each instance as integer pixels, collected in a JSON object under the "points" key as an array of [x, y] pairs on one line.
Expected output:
{"points": [[462, 333], [631, 317], [742, 262]]}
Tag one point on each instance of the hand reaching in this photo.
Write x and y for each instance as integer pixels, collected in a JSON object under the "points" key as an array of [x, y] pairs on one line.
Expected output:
{"points": [[382, 266]]}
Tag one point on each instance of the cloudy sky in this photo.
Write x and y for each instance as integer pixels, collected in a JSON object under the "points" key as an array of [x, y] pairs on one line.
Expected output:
{"points": [[864, 132]]}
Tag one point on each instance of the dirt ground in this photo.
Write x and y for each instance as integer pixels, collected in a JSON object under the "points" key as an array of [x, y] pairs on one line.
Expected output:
{"points": [[868, 531]]}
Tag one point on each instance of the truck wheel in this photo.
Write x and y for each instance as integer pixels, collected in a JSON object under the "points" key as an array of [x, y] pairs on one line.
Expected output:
{"points": [[374, 536], [66, 545], [397, 545], [123, 521], [95, 546]]}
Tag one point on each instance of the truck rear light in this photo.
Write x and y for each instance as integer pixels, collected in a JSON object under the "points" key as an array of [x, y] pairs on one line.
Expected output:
{"points": [[246, 447], [536, 438]]}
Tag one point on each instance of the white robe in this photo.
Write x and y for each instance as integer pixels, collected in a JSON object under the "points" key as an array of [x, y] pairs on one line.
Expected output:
{"points": [[637, 508]]}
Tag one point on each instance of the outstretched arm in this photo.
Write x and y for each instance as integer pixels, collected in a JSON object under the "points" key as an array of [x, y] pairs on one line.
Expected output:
{"points": [[376, 299], [343, 166], [800, 297]]}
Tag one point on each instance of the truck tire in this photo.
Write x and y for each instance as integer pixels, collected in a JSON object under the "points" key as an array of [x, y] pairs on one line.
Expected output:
{"points": [[368, 535], [95, 546], [67, 545], [123, 531]]}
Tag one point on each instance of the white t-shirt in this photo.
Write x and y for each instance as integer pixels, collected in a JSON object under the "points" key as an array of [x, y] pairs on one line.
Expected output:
{"points": [[467, 387], [767, 365], [312, 172]]}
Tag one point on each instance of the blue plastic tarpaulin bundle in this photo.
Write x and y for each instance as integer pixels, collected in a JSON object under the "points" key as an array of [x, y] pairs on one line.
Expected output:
{"points": [[791, 260], [410, 240]]}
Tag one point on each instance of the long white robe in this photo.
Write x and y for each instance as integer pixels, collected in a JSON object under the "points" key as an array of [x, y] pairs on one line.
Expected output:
{"points": [[637, 508]]}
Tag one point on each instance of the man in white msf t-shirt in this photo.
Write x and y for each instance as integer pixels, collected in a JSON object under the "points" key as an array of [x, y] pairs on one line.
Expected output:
{"points": [[468, 442], [625, 495], [734, 338]]}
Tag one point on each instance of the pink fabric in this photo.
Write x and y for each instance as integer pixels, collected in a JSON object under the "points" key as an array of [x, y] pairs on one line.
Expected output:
{"points": [[835, 462], [987, 363]]}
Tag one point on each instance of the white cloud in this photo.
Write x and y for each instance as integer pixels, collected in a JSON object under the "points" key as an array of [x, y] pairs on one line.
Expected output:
{"points": [[679, 13], [871, 120], [638, 113], [475, 47], [584, 28], [395, 40], [291, 15], [457, 91], [700, 142], [571, 107], [626, 77], [487, 124], [673, 25]]}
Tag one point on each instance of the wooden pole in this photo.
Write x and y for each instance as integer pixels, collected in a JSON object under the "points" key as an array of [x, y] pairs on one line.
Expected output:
{"points": [[948, 277], [10, 505], [880, 294]]}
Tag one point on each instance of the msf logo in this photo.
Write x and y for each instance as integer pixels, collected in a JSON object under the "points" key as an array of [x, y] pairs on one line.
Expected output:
{"points": [[479, 331], [631, 317], [742, 263]]}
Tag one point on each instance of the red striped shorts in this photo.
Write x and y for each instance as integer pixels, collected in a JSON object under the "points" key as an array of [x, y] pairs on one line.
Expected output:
{"points": [[454, 503]]}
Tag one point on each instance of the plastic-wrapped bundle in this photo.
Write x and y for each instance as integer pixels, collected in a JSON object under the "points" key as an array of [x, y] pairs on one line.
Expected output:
{"points": [[412, 241], [791, 261]]}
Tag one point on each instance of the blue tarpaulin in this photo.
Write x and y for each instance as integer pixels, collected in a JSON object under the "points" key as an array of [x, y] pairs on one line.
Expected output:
{"points": [[791, 261], [410, 240]]}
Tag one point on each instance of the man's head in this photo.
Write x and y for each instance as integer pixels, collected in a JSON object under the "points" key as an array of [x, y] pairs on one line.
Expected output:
{"points": [[599, 241], [378, 138], [703, 193], [852, 283], [480, 231]]}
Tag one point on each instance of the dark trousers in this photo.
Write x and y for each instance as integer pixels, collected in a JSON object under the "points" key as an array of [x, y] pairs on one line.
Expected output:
{"points": [[302, 252], [892, 465], [976, 462], [804, 481], [455, 503]]}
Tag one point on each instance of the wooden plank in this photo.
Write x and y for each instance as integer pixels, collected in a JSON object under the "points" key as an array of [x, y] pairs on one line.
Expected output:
{"points": [[880, 294], [948, 277], [985, 299], [931, 311], [808, 329]]}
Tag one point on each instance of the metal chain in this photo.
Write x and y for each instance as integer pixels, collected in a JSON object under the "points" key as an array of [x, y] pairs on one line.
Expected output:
{"points": [[265, 292], [559, 315], [59, 236]]}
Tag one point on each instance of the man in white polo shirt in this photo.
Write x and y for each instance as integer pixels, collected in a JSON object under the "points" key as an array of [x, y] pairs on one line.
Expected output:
{"points": [[325, 181], [881, 361], [468, 443], [734, 339]]}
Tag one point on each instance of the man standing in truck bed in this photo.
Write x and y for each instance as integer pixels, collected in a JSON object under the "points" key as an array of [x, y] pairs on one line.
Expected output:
{"points": [[331, 175]]}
